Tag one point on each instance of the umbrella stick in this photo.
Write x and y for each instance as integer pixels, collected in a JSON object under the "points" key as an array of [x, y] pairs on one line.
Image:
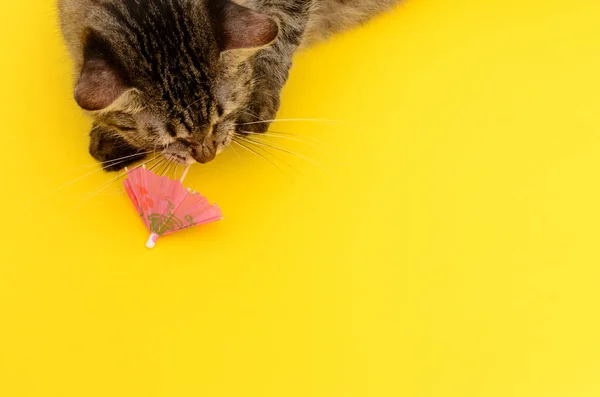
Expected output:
{"points": [[185, 172]]}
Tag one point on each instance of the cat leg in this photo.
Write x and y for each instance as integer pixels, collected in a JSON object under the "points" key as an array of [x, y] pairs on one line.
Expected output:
{"points": [[272, 64]]}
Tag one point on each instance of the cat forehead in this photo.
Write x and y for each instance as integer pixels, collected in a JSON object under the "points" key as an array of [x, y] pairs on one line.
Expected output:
{"points": [[165, 47], [176, 33]]}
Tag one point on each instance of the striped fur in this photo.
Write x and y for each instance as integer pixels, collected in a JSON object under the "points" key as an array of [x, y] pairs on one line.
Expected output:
{"points": [[177, 76]]}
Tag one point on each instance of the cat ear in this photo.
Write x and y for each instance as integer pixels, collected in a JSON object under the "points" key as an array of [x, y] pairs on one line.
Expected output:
{"points": [[100, 85], [243, 28]]}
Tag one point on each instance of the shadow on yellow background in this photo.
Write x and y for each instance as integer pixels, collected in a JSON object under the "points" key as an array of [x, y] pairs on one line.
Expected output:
{"points": [[441, 241]]}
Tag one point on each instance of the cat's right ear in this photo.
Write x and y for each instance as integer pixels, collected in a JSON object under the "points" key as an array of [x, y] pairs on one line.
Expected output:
{"points": [[101, 83], [243, 28]]}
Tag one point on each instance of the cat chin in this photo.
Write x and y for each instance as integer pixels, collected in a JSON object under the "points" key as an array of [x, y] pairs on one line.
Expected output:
{"points": [[176, 158]]}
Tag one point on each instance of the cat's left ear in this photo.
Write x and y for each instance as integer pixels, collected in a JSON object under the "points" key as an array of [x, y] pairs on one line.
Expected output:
{"points": [[99, 85], [243, 28], [102, 83]]}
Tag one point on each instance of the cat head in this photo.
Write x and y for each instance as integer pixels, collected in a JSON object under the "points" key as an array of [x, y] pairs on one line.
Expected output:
{"points": [[166, 76]]}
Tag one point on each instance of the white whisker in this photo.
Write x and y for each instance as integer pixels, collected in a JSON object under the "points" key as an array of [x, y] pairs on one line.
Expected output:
{"points": [[296, 138], [308, 120], [259, 155], [290, 152]]}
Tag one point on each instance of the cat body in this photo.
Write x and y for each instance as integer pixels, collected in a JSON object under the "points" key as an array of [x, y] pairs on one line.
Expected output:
{"points": [[181, 77]]}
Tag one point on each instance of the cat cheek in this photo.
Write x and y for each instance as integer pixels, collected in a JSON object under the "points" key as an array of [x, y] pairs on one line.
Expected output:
{"points": [[222, 94], [220, 148]]}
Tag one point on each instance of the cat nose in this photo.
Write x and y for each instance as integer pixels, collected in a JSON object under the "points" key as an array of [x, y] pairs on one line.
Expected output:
{"points": [[204, 153]]}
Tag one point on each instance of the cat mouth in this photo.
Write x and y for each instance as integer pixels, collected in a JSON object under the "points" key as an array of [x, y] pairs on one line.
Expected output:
{"points": [[188, 153], [178, 152], [180, 159]]}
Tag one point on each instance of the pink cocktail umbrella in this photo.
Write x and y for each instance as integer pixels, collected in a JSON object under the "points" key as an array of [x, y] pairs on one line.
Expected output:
{"points": [[165, 205]]}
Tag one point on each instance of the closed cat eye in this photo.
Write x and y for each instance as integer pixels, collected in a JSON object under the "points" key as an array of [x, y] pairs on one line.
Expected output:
{"points": [[171, 130], [122, 127]]}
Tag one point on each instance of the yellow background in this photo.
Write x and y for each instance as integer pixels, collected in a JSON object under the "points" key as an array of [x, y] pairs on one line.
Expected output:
{"points": [[450, 249]]}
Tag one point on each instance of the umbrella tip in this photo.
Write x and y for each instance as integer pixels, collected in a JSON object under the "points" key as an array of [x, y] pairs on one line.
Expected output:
{"points": [[152, 240]]}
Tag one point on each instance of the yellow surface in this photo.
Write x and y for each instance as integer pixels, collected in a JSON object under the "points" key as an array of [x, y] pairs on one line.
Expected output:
{"points": [[451, 249]]}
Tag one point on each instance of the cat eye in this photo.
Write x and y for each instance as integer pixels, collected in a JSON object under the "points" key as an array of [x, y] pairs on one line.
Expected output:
{"points": [[171, 130], [120, 121], [122, 127]]}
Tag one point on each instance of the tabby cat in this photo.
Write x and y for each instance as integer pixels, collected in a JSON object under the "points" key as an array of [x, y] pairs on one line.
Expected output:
{"points": [[179, 76]]}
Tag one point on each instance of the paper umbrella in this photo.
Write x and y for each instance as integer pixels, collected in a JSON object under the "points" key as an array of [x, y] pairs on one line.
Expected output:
{"points": [[165, 205]]}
